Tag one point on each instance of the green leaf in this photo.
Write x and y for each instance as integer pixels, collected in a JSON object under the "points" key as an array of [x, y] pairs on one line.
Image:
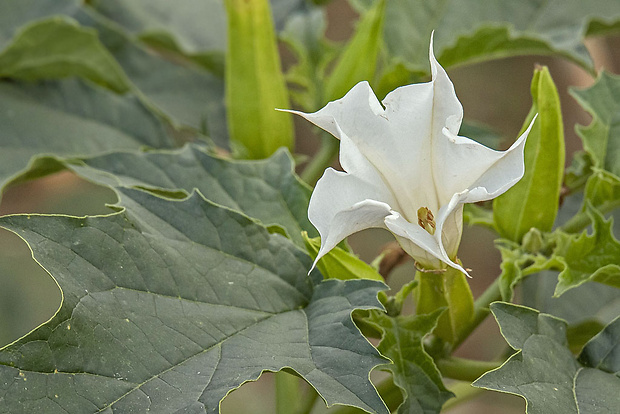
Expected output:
{"points": [[57, 48], [472, 31], [533, 201], [588, 257], [580, 258], [413, 370], [601, 139], [543, 371], [359, 59], [447, 289], [603, 190], [194, 26], [587, 308], [255, 84], [340, 264], [198, 300], [603, 351], [73, 118], [267, 190], [184, 93]]}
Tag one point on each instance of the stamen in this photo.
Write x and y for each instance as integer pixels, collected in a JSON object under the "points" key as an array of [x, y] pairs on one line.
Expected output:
{"points": [[426, 220]]}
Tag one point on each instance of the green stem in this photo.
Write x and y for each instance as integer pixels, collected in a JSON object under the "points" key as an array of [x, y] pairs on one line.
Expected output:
{"points": [[464, 392], [322, 159], [463, 369], [582, 220], [389, 392], [481, 311], [308, 401], [287, 393]]}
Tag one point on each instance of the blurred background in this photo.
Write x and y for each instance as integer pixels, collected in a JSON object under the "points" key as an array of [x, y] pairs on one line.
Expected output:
{"points": [[496, 93]]}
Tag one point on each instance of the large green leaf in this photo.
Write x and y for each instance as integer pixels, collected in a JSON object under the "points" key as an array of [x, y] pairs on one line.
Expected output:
{"points": [[544, 371], [185, 93], [195, 26], [56, 48], [473, 30], [255, 84], [197, 300], [413, 370], [267, 190], [73, 118], [533, 201], [601, 139]]}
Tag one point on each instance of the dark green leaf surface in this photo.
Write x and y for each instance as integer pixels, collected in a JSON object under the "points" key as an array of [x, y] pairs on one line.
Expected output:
{"points": [[198, 300], [603, 351], [544, 371], [196, 26], [188, 95], [267, 190], [72, 118], [472, 30], [413, 370]]}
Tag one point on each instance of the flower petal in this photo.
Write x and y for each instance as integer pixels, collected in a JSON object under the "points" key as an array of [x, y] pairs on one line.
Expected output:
{"points": [[344, 203], [486, 173], [422, 243]]}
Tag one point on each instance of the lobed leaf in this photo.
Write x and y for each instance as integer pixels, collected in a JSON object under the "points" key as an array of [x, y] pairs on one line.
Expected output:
{"points": [[198, 300], [412, 368], [267, 190], [543, 371]]}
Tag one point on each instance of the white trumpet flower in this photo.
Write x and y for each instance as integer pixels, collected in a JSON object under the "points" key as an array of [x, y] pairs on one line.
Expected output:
{"points": [[406, 169]]}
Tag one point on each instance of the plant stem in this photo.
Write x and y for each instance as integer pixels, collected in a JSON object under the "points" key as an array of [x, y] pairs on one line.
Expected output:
{"points": [[464, 369], [464, 392], [287, 393], [582, 220], [481, 311], [322, 159], [308, 400]]}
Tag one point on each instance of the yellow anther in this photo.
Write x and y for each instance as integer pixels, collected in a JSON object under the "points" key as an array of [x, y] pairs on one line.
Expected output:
{"points": [[426, 220]]}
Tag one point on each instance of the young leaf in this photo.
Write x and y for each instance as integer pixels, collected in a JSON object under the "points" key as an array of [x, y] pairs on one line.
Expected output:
{"points": [[198, 300], [359, 59], [533, 201], [601, 139], [413, 370], [588, 257], [267, 190], [255, 84], [447, 289], [543, 371], [69, 50], [340, 264], [73, 118]]}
